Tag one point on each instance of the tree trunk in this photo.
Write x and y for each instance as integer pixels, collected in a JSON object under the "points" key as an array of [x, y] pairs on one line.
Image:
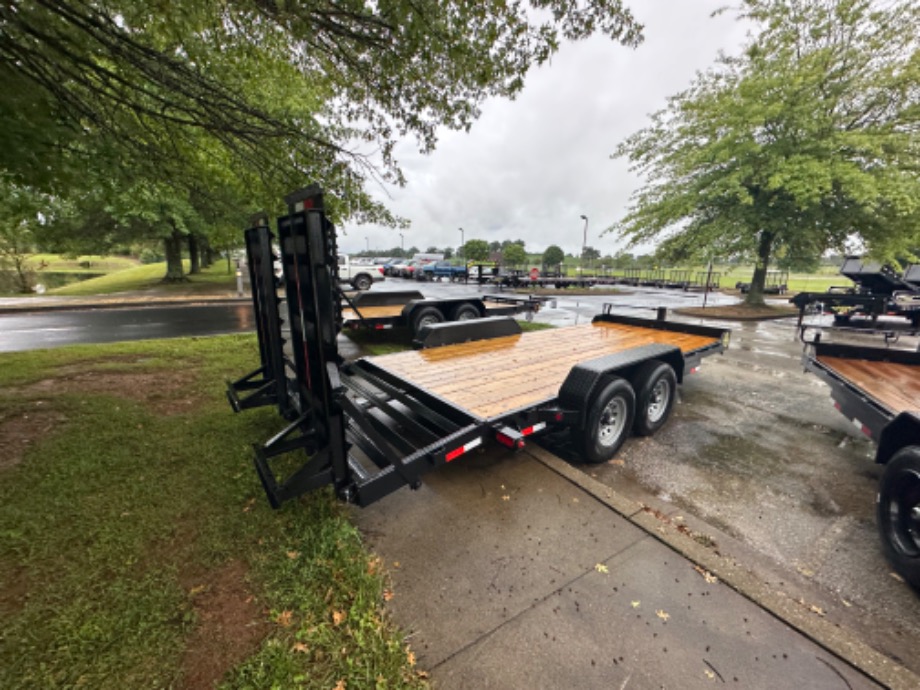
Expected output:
{"points": [[194, 255], [23, 274], [207, 253], [755, 294], [173, 246]]}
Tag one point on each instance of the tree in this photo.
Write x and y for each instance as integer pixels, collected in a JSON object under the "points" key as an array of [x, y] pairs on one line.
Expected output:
{"points": [[316, 90], [553, 256], [22, 210], [476, 250], [590, 254], [806, 139], [514, 255]]}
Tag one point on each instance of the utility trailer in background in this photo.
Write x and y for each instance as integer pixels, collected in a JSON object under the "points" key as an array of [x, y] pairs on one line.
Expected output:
{"points": [[410, 309], [878, 291], [369, 427], [878, 389]]}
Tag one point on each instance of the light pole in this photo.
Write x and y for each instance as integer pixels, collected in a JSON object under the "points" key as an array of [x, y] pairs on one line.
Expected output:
{"points": [[461, 241], [402, 242], [584, 242], [367, 240]]}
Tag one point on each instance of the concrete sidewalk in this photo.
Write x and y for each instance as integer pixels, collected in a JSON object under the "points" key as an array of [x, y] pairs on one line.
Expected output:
{"points": [[519, 571]]}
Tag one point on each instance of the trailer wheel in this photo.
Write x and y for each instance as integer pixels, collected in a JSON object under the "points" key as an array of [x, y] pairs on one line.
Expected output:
{"points": [[464, 312], [899, 513], [656, 385], [426, 316], [608, 423], [362, 282]]}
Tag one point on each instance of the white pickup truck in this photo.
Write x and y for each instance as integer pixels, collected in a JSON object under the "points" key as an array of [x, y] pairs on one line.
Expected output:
{"points": [[361, 276]]}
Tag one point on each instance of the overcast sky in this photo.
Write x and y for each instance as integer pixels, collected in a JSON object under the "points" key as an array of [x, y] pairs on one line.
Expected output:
{"points": [[529, 168]]}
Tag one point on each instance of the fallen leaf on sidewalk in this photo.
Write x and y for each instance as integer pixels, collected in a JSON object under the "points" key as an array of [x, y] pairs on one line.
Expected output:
{"points": [[635, 604], [506, 498], [709, 674], [662, 615], [601, 568], [709, 577]]}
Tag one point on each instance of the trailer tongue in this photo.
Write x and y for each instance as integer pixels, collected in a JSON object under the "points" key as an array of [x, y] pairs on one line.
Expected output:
{"points": [[369, 427]]}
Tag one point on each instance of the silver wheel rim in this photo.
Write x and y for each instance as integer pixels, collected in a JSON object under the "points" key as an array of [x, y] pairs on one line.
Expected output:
{"points": [[466, 315], [428, 321], [658, 400], [612, 422]]}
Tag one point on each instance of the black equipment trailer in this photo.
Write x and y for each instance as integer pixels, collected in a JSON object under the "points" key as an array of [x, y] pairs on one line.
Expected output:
{"points": [[410, 309], [878, 389], [371, 426]]}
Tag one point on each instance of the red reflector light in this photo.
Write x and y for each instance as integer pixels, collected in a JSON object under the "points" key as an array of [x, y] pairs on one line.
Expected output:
{"points": [[454, 454], [558, 416], [379, 327], [505, 440]]}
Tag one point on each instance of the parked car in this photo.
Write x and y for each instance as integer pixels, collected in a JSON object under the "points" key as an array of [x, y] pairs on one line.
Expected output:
{"points": [[407, 270], [391, 268], [360, 276]]}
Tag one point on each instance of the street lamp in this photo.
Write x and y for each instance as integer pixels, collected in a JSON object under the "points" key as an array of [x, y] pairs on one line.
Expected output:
{"points": [[461, 241], [584, 242], [402, 242], [367, 240]]}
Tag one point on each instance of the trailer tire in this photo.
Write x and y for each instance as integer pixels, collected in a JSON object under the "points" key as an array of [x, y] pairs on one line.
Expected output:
{"points": [[464, 312], [655, 384], [608, 422], [426, 316], [362, 281], [899, 513]]}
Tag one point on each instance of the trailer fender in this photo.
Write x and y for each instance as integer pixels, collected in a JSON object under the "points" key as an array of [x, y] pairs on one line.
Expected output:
{"points": [[903, 430], [585, 380], [450, 333]]}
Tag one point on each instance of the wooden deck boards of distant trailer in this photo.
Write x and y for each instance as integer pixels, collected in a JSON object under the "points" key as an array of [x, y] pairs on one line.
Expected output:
{"points": [[895, 386], [490, 378]]}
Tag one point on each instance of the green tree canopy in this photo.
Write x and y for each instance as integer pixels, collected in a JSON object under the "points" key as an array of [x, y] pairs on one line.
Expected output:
{"points": [[513, 254], [553, 256], [806, 139], [476, 250], [304, 89]]}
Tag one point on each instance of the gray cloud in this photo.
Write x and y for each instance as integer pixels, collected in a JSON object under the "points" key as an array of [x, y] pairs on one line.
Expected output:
{"points": [[529, 168]]}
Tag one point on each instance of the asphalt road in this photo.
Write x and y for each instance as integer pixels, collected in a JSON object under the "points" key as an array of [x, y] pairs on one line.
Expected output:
{"points": [[32, 331]]}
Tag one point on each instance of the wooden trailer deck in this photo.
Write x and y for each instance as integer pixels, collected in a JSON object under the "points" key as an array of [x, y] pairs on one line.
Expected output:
{"points": [[892, 385], [490, 378]]}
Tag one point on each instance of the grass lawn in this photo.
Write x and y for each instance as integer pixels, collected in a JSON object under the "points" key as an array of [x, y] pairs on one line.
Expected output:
{"points": [[149, 277], [137, 548], [82, 264]]}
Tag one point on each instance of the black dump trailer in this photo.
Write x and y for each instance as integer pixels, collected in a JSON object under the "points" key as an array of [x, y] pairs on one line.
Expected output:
{"points": [[878, 290], [878, 389], [371, 426]]}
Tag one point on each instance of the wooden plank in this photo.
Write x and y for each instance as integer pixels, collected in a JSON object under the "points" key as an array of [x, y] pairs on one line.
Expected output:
{"points": [[386, 311], [892, 385], [489, 378]]}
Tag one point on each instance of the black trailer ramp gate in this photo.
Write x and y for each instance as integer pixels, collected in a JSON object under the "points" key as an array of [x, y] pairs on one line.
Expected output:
{"points": [[358, 427]]}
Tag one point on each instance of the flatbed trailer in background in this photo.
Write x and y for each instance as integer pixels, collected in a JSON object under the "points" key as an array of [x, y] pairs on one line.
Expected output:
{"points": [[878, 389], [374, 425], [410, 309]]}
